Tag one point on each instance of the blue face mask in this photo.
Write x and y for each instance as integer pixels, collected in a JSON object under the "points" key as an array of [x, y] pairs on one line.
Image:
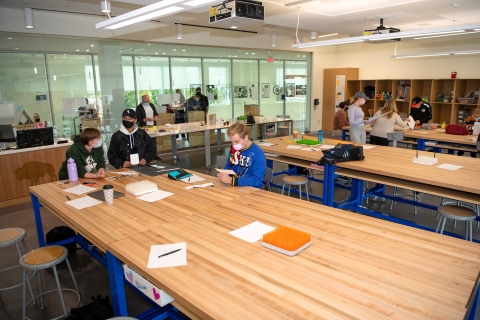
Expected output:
{"points": [[146, 104]]}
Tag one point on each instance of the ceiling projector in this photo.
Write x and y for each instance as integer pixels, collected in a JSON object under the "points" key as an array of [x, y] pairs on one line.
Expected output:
{"points": [[237, 13], [382, 30]]}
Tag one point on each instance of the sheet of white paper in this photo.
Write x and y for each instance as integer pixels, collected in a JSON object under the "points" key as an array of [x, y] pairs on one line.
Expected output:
{"points": [[226, 171], [266, 144], [326, 146], [294, 147], [157, 166], [252, 232], [254, 93], [476, 128], [80, 189], [80, 101], [175, 259], [271, 154], [411, 122], [447, 166], [155, 196], [366, 147], [192, 179], [208, 184], [310, 149], [134, 158], [379, 116], [84, 202]]}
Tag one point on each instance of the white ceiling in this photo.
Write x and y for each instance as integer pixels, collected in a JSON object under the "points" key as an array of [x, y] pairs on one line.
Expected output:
{"points": [[347, 17]]}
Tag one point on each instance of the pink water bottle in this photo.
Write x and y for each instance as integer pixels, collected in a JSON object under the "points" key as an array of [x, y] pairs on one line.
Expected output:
{"points": [[72, 170]]}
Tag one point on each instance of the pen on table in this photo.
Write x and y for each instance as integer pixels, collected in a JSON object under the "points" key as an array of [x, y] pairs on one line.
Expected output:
{"points": [[68, 198], [417, 153], [166, 254], [434, 155]]}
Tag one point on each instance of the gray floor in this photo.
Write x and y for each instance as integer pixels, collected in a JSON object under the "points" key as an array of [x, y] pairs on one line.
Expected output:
{"points": [[92, 277]]}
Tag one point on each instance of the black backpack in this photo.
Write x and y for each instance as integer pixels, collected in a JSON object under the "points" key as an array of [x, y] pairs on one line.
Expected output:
{"points": [[341, 153], [62, 233], [99, 309]]}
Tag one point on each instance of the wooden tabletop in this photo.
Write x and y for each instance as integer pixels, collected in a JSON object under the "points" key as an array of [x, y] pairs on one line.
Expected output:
{"points": [[357, 267], [397, 163]]}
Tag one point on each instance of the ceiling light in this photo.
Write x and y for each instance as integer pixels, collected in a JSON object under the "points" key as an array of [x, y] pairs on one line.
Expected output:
{"points": [[35, 69], [149, 44], [79, 50], [183, 50], [164, 53], [435, 54], [328, 35], [327, 42], [87, 50], [297, 3], [313, 34], [105, 6], [274, 40], [28, 15], [10, 38], [179, 31], [16, 48], [199, 2], [446, 35], [233, 27], [54, 78], [156, 52], [92, 45]]}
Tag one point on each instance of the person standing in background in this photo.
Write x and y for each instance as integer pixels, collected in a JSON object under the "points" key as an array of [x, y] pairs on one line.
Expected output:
{"points": [[37, 121], [180, 109], [355, 116], [146, 113], [386, 123], [204, 101], [469, 123], [339, 120], [420, 111]]}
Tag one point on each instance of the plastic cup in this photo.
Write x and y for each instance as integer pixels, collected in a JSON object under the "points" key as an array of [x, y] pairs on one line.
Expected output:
{"points": [[294, 133], [108, 193]]}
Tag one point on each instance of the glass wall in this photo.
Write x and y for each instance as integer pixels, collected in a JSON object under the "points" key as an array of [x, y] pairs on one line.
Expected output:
{"points": [[186, 75], [296, 82], [129, 82], [271, 88], [152, 76], [217, 75], [245, 85]]}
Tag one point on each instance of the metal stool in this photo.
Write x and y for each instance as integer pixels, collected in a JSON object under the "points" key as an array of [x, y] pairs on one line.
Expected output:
{"points": [[14, 236], [43, 258], [295, 181], [456, 213], [269, 135], [474, 207]]}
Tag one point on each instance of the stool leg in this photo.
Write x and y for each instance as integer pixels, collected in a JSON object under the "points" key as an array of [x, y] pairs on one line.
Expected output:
{"points": [[438, 224], [39, 278], [394, 194], [28, 282], [300, 190], [60, 290], [74, 281], [306, 188], [415, 198], [443, 224], [289, 186], [466, 230], [25, 276], [283, 188], [471, 230]]}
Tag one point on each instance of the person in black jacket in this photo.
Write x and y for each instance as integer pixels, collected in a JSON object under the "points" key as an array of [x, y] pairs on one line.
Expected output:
{"points": [[204, 101], [146, 113], [130, 144], [420, 111]]}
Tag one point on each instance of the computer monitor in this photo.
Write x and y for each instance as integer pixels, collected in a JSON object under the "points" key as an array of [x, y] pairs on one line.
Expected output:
{"points": [[6, 133], [34, 137]]}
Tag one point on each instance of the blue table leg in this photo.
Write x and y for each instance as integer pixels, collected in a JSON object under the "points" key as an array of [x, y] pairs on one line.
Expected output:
{"points": [[38, 220], [344, 134], [117, 289], [328, 184], [421, 144], [472, 312], [270, 164]]}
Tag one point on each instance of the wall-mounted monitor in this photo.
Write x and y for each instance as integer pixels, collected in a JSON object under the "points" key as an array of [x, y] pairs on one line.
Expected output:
{"points": [[6, 133]]}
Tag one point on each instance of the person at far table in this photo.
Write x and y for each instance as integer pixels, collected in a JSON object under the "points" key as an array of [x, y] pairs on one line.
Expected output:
{"points": [[339, 120], [469, 123], [386, 123], [245, 158], [355, 117], [195, 103], [130, 141], [87, 152], [204, 101], [420, 111], [146, 112], [38, 123]]}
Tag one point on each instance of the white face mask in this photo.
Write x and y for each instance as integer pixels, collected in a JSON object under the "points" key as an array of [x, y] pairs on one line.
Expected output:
{"points": [[362, 102], [237, 147], [98, 144]]}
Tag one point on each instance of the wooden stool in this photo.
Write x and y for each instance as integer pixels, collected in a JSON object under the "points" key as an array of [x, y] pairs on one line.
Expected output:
{"points": [[456, 213], [269, 135], [295, 181], [14, 236], [43, 258]]}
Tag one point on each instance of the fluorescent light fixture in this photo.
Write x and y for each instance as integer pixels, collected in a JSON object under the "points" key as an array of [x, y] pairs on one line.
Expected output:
{"points": [[435, 54], [313, 34], [447, 35], [395, 35], [105, 6], [274, 40], [54, 78], [198, 2], [28, 15], [35, 69], [149, 12], [178, 27], [328, 35]]}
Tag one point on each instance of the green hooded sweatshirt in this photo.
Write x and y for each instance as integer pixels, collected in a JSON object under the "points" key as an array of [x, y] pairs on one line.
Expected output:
{"points": [[86, 161]]}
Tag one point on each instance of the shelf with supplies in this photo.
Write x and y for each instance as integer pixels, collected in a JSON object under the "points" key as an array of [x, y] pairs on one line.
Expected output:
{"points": [[451, 99]]}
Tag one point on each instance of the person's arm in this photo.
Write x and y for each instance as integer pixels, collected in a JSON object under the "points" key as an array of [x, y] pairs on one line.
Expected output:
{"points": [[113, 154], [399, 121], [255, 173], [100, 158], [155, 113], [150, 148], [351, 116], [140, 115]]}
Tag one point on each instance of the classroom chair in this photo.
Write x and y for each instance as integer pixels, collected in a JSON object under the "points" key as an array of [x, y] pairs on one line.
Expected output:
{"points": [[8, 237], [268, 178], [41, 259], [456, 213], [295, 181], [221, 162]]}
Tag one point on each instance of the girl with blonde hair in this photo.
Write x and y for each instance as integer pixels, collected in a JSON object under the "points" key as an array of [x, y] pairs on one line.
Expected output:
{"points": [[385, 123]]}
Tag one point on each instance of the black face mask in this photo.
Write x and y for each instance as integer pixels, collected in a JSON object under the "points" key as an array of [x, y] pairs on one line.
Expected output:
{"points": [[127, 124], [37, 120]]}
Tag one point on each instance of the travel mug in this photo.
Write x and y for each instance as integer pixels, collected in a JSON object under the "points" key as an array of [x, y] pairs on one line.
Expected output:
{"points": [[108, 193]]}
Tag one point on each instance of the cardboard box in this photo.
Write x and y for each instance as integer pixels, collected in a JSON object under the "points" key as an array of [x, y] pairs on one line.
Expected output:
{"points": [[164, 143], [158, 296], [251, 109], [164, 118], [198, 138], [195, 116], [91, 122]]}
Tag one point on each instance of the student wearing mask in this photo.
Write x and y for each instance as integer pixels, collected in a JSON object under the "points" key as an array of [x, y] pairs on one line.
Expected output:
{"points": [[204, 101], [131, 144], [38, 122], [420, 111], [87, 152], [245, 158], [146, 112], [469, 123], [386, 123], [339, 120], [355, 117]]}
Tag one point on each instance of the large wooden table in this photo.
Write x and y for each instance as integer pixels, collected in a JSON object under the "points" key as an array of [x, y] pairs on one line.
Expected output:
{"points": [[357, 267]]}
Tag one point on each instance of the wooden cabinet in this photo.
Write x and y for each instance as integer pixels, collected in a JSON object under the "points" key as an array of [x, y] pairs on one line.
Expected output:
{"points": [[446, 109]]}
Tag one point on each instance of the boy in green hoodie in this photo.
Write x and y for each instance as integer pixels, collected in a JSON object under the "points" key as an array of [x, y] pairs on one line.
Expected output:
{"points": [[87, 152]]}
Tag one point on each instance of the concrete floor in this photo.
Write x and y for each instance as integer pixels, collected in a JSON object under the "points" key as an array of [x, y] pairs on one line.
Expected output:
{"points": [[92, 277]]}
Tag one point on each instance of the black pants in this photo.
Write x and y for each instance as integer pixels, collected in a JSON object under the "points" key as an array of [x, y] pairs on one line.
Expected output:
{"points": [[379, 141]]}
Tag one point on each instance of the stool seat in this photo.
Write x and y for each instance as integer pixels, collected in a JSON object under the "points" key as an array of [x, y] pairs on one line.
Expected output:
{"points": [[457, 212], [10, 236], [295, 180], [269, 135], [43, 258]]}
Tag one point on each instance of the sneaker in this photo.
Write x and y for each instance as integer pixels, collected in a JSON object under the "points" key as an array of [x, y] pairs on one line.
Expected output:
{"points": [[374, 198], [384, 200]]}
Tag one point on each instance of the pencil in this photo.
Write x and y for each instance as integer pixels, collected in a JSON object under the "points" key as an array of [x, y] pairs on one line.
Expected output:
{"points": [[68, 198], [166, 254]]}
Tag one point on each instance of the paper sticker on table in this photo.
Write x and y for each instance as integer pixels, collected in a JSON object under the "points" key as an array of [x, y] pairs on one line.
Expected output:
{"points": [[155, 196], [309, 149], [208, 184], [266, 144], [447, 166], [174, 259], [226, 171], [84, 202], [271, 154], [294, 147], [80, 189], [193, 178], [366, 147], [134, 158], [326, 146], [252, 232]]}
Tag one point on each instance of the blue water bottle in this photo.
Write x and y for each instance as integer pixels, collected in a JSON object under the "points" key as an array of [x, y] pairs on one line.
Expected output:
{"points": [[320, 136]]}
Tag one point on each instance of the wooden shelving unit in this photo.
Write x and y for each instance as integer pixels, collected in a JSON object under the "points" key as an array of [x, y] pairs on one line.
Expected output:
{"points": [[426, 88]]}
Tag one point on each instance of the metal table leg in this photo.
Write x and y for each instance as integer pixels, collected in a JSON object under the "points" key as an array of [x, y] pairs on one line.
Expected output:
{"points": [[219, 139], [208, 157], [174, 146], [117, 288], [38, 219]]}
